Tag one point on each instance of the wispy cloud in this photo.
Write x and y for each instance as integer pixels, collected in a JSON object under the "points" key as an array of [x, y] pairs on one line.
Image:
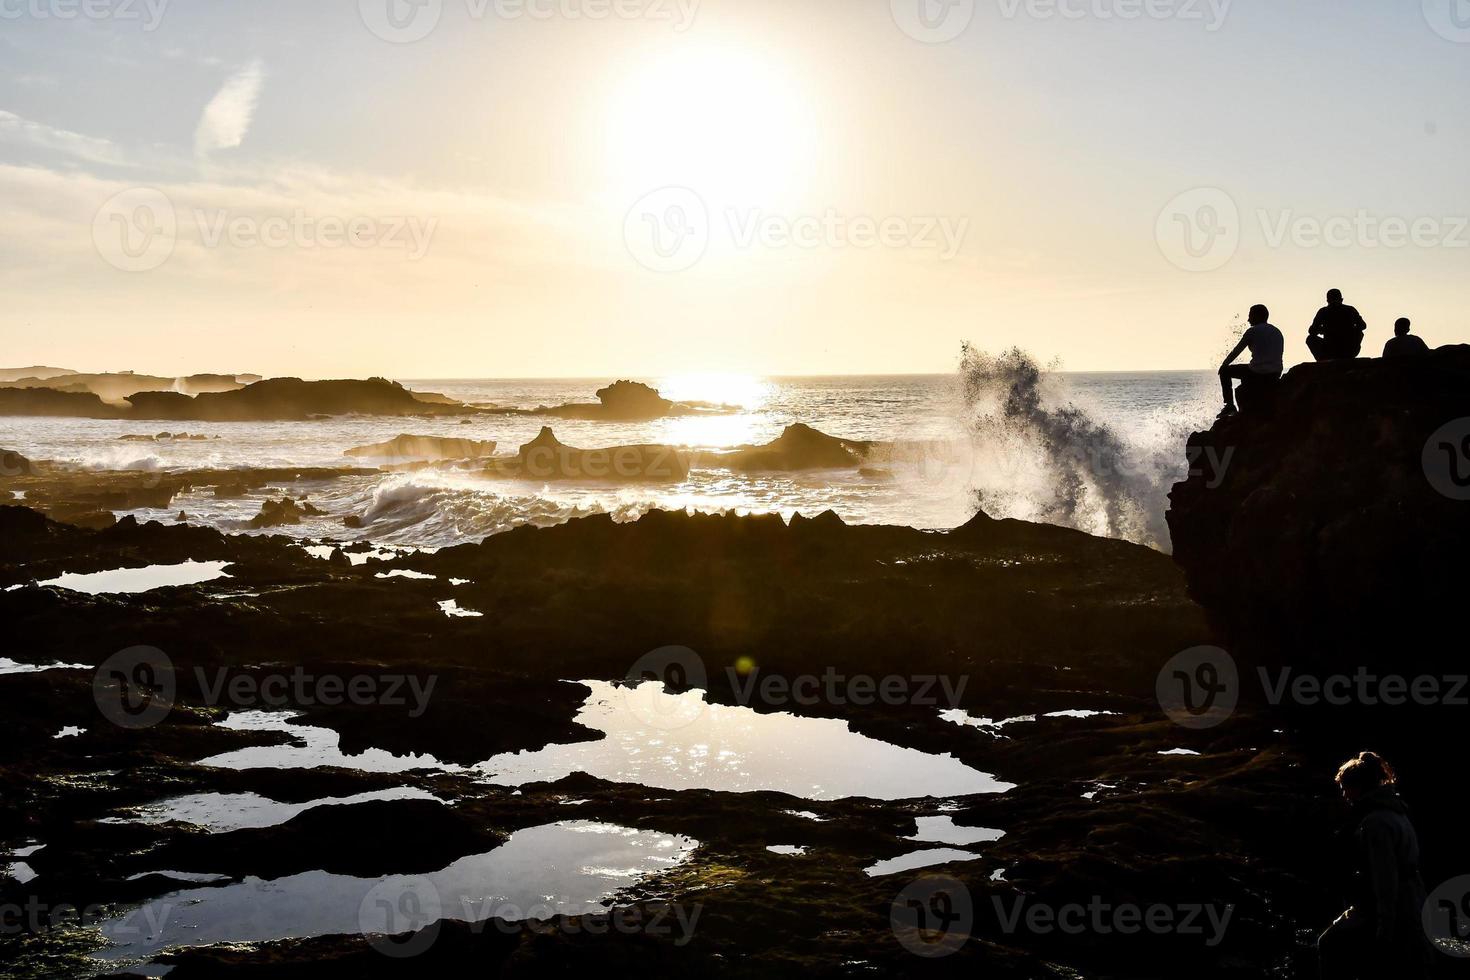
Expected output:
{"points": [[227, 118], [17, 130]]}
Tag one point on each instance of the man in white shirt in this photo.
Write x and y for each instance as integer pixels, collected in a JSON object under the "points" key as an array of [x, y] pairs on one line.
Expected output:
{"points": [[1267, 346]]}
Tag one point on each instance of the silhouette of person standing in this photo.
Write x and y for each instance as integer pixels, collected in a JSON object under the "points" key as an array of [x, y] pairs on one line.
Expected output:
{"points": [[1266, 346], [1403, 343], [1380, 935], [1337, 332]]}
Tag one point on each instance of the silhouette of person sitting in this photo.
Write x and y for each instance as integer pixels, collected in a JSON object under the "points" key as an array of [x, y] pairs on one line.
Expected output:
{"points": [[1380, 935], [1337, 332], [1266, 346], [1403, 343]]}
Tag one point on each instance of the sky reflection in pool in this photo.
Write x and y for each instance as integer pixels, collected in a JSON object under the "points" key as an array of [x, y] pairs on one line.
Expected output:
{"points": [[315, 748], [220, 813], [568, 868], [124, 580], [919, 859], [719, 747], [735, 749]]}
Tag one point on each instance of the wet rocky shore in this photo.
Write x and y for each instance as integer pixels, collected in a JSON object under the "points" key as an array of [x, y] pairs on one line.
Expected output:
{"points": [[731, 746]]}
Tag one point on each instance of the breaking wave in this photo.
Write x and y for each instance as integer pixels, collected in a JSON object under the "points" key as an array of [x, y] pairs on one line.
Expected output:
{"points": [[1039, 456]]}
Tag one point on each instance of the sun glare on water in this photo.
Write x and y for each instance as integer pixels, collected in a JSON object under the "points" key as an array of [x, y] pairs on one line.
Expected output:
{"points": [[739, 390]]}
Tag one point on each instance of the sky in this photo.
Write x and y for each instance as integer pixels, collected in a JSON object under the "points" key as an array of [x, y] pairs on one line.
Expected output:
{"points": [[599, 188]]}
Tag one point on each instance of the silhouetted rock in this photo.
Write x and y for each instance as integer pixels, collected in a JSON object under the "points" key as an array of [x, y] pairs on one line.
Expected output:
{"points": [[799, 447], [279, 513], [1340, 520], [284, 399], [622, 401], [50, 402], [633, 400], [546, 458], [425, 447]]}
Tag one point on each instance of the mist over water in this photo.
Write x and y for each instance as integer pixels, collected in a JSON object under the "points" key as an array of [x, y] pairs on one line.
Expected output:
{"points": [[1038, 455]]}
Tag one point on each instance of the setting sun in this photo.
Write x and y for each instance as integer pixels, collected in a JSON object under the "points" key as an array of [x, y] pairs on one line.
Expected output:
{"points": [[729, 122]]}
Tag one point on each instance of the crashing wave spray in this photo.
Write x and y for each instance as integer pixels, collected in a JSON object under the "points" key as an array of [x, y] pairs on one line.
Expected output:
{"points": [[1056, 463]]}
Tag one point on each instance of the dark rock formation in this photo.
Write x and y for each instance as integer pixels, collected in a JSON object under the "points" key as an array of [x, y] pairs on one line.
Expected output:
{"points": [[622, 401], [279, 513], [1337, 525], [283, 399], [48, 401], [633, 400], [546, 458], [425, 447], [799, 447]]}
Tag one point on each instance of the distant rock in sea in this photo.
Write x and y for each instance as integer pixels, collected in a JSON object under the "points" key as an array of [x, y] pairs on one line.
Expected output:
{"points": [[799, 447], [286, 399], [625, 401]]}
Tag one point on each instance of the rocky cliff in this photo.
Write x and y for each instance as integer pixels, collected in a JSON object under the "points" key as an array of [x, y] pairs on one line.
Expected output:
{"points": [[1334, 525]]}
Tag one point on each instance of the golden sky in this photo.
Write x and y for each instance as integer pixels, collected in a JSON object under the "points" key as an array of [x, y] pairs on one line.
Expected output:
{"points": [[553, 188]]}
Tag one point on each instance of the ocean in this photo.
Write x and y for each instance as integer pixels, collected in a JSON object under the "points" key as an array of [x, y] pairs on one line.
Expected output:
{"points": [[1121, 433]]}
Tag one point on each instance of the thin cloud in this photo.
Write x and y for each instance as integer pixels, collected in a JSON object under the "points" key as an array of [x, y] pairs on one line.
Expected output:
{"points": [[25, 132], [227, 118]]}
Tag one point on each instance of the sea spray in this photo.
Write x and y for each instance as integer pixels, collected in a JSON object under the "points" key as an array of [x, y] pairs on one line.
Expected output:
{"points": [[1038, 457]]}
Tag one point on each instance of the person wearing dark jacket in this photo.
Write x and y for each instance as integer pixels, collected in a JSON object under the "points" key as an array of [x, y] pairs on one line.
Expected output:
{"points": [[1403, 343], [1337, 332], [1380, 936]]}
